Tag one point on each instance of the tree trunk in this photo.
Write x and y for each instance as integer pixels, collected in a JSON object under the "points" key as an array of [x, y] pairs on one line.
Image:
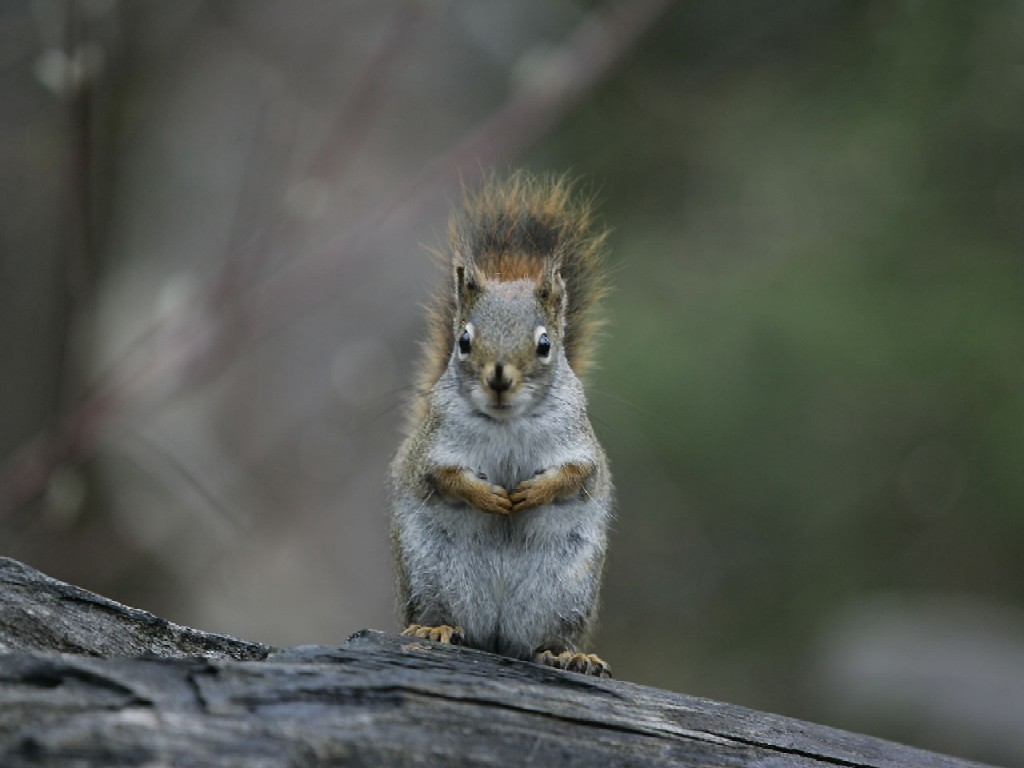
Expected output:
{"points": [[87, 681]]}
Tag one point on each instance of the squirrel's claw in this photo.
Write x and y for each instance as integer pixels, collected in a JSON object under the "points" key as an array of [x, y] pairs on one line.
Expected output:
{"points": [[530, 493], [465, 485], [497, 501], [548, 485], [584, 663], [439, 634]]}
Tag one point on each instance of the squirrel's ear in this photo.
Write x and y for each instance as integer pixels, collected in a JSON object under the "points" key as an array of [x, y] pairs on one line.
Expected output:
{"points": [[551, 289], [466, 285]]}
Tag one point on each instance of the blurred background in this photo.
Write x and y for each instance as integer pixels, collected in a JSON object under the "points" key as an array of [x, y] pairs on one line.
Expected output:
{"points": [[213, 228]]}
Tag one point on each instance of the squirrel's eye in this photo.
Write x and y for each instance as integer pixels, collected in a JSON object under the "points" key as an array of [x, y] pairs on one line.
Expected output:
{"points": [[543, 345], [464, 343]]}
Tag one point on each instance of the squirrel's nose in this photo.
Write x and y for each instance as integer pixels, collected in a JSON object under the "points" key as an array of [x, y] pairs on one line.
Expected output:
{"points": [[498, 382]]}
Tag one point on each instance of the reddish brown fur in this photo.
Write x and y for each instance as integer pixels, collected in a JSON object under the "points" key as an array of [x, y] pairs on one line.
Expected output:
{"points": [[511, 230], [505, 266]]}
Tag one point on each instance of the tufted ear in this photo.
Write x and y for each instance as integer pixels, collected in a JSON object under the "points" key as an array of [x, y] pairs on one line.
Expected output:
{"points": [[467, 285], [551, 290]]}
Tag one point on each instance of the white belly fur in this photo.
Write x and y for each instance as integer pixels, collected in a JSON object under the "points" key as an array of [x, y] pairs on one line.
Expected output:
{"points": [[508, 581]]}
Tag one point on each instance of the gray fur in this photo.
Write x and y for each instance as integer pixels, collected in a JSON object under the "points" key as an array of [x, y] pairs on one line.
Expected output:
{"points": [[521, 583]]}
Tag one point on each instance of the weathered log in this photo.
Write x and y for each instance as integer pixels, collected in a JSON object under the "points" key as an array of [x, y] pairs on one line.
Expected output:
{"points": [[75, 690], [38, 613]]}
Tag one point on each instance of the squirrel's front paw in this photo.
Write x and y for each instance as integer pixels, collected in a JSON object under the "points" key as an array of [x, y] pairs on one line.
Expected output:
{"points": [[527, 495], [490, 498], [532, 492], [548, 485], [584, 663], [465, 485], [439, 634]]}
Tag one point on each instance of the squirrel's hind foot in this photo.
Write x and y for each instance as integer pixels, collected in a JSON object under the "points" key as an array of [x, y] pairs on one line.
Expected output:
{"points": [[584, 663], [439, 634]]}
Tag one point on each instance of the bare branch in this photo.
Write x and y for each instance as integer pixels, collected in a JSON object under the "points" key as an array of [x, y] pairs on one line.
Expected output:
{"points": [[293, 290]]}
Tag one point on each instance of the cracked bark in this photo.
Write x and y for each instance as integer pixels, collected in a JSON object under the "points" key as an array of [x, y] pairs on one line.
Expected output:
{"points": [[87, 681]]}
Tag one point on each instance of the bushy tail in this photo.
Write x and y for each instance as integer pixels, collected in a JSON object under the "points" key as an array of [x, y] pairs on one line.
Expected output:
{"points": [[513, 226]]}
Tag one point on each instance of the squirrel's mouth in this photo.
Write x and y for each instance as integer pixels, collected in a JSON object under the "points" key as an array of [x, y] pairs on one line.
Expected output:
{"points": [[496, 405]]}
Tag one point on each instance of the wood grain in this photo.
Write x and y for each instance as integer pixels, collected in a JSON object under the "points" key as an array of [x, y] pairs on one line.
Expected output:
{"points": [[120, 686]]}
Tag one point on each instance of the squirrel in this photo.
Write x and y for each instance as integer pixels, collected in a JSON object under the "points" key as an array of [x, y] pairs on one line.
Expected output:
{"points": [[501, 495]]}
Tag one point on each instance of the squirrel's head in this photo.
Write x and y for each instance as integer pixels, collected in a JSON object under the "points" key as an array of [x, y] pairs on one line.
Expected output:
{"points": [[508, 335]]}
